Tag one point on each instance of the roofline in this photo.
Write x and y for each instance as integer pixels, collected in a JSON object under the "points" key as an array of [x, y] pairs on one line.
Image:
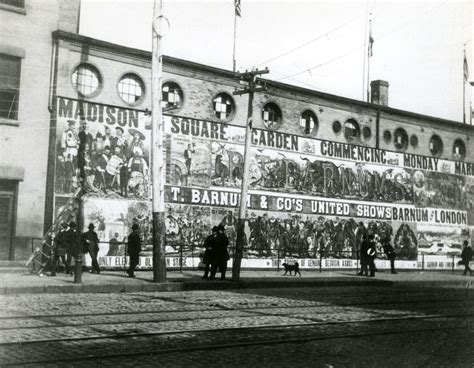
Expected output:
{"points": [[169, 60]]}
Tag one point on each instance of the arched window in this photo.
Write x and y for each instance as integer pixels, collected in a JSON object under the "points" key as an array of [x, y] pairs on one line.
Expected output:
{"points": [[400, 139], [436, 145], [86, 79], [351, 129], [271, 115], [459, 149], [172, 95], [131, 88], [308, 121], [223, 106]]}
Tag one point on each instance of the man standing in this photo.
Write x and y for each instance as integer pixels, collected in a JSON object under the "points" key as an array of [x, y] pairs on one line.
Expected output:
{"points": [[209, 245], [72, 240], [188, 156], [61, 251], [364, 247], [134, 248], [390, 253], [90, 243], [371, 254], [221, 255], [466, 257]]}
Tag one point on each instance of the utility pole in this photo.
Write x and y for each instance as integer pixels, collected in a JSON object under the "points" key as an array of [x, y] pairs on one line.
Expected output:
{"points": [[158, 172], [253, 86]]}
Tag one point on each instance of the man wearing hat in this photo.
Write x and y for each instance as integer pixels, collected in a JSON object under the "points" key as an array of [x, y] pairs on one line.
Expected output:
{"points": [[73, 244], [221, 255], [90, 243], [60, 250], [119, 140], [133, 249], [209, 245]]}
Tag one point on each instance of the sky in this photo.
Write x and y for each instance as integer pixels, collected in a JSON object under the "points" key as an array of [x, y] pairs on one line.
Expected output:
{"points": [[418, 45]]}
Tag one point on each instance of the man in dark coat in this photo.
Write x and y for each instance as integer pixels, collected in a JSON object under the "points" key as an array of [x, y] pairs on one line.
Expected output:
{"points": [[364, 246], [61, 250], [371, 254], [390, 253], [466, 257], [220, 253], [90, 243], [72, 240], [133, 249], [209, 245]]}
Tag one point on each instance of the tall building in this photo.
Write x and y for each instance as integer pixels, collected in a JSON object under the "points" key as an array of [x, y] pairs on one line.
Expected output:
{"points": [[26, 64]]}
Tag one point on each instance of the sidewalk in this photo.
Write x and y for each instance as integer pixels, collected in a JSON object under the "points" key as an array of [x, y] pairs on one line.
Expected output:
{"points": [[18, 281]]}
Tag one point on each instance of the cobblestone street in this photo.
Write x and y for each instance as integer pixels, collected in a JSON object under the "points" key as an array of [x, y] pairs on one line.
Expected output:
{"points": [[358, 326]]}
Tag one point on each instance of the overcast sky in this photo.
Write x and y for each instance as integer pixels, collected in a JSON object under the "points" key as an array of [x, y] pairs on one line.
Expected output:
{"points": [[418, 45]]}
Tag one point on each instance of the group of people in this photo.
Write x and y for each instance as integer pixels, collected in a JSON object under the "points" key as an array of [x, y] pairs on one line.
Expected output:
{"points": [[216, 254], [104, 162], [368, 253], [69, 244]]}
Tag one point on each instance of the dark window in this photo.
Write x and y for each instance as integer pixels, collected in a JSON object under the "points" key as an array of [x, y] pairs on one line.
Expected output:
{"points": [[7, 210], [130, 88], [387, 136], [308, 121], [400, 139], [10, 69], [271, 115], [336, 127], [16, 3], [351, 129], [436, 145], [223, 106], [367, 132], [172, 96], [459, 149], [414, 141]]}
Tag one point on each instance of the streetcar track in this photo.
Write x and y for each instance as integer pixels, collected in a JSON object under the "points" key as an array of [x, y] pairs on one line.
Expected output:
{"points": [[279, 341], [221, 307], [121, 335]]}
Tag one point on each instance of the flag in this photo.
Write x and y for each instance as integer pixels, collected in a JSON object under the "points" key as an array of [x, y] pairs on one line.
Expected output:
{"points": [[371, 42], [465, 68], [237, 8]]}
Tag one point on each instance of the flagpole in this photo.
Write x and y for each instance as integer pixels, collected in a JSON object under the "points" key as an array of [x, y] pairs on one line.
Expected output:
{"points": [[464, 87], [368, 59], [235, 32], [365, 44]]}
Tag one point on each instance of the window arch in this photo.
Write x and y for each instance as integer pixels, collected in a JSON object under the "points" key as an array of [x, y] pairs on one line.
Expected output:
{"points": [[131, 88], [436, 145], [223, 106], [87, 79], [271, 115], [351, 129], [459, 149], [400, 139], [172, 95], [308, 121]]}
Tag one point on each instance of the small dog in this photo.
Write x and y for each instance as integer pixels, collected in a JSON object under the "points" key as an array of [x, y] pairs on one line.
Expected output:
{"points": [[292, 268]]}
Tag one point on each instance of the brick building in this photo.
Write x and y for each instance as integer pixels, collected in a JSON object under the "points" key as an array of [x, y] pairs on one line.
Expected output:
{"points": [[323, 168]]}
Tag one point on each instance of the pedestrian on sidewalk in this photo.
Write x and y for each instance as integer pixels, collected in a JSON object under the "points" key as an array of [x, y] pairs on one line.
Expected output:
{"points": [[390, 253], [134, 248], [466, 257], [220, 253], [209, 245], [61, 250], [90, 243], [364, 247], [371, 255], [73, 241]]}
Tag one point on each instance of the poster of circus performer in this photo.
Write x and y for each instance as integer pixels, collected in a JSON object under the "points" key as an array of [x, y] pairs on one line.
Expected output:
{"points": [[104, 149]]}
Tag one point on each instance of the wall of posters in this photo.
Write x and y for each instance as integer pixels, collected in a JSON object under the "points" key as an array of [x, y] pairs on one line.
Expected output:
{"points": [[308, 198]]}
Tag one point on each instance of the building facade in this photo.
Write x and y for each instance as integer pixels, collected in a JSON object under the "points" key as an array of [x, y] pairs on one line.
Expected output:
{"points": [[324, 169], [26, 63]]}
